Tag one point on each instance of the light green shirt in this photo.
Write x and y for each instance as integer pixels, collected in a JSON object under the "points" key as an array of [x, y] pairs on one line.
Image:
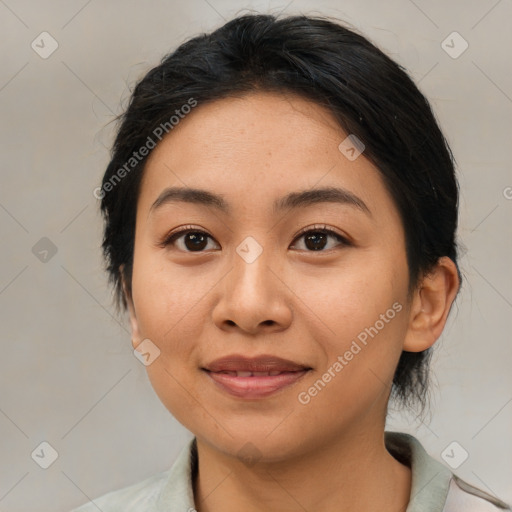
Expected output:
{"points": [[434, 488]]}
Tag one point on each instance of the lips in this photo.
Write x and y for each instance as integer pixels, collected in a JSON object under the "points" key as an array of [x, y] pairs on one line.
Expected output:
{"points": [[260, 364], [256, 377], [251, 374]]}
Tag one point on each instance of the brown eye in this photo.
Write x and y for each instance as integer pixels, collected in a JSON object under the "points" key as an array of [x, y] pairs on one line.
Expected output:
{"points": [[188, 240], [315, 240], [195, 241], [318, 239]]}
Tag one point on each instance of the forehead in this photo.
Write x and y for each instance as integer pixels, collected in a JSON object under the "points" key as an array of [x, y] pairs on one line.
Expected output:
{"points": [[255, 149]]}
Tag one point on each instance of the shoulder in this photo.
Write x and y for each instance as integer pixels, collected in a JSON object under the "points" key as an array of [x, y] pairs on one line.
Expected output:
{"points": [[464, 496], [139, 496], [434, 487], [164, 491]]}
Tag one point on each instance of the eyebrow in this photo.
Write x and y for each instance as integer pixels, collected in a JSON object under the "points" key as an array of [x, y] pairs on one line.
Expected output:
{"points": [[292, 200]]}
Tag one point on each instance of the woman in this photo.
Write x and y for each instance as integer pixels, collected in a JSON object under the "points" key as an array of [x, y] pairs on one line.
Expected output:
{"points": [[280, 219]]}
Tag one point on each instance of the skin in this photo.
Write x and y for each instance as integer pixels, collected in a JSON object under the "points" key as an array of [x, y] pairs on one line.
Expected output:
{"points": [[291, 302]]}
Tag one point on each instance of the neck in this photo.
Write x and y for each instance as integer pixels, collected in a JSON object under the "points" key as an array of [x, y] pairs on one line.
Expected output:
{"points": [[352, 472]]}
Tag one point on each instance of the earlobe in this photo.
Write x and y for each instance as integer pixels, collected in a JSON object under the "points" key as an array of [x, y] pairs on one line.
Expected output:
{"points": [[136, 339], [431, 305]]}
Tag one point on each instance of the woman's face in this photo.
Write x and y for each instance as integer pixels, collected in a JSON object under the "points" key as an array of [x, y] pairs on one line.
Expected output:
{"points": [[250, 284]]}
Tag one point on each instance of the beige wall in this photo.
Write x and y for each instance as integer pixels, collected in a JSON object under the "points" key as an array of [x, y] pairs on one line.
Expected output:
{"points": [[67, 372]]}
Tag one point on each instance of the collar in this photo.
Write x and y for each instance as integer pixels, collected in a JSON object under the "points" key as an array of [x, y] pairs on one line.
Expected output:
{"points": [[430, 480], [431, 484]]}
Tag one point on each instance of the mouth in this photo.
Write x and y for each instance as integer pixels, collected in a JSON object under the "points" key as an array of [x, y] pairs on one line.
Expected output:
{"points": [[253, 378]]}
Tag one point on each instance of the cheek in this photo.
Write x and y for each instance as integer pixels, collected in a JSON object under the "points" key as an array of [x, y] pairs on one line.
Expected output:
{"points": [[361, 320], [358, 371], [176, 393], [164, 300], [353, 299], [169, 313]]}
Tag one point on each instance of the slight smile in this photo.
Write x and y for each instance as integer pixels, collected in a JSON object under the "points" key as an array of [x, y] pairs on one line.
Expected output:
{"points": [[253, 378]]}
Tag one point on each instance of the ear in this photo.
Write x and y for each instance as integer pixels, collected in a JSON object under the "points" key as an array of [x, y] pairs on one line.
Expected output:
{"points": [[136, 338], [430, 305]]}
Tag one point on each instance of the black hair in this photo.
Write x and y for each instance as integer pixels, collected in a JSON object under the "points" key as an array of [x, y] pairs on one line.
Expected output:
{"points": [[370, 95]]}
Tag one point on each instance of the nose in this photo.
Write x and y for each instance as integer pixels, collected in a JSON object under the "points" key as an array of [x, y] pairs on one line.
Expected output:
{"points": [[254, 298]]}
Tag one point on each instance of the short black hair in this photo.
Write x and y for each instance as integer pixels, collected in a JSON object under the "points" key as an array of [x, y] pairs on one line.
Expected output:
{"points": [[369, 94]]}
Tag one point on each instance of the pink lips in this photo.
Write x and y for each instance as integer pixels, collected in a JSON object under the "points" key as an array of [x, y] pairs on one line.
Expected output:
{"points": [[256, 377]]}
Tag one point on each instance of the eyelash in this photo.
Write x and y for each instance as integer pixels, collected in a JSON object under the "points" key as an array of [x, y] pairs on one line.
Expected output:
{"points": [[172, 237]]}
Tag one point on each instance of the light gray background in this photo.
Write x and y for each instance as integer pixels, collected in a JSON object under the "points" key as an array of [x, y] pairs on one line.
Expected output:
{"points": [[67, 372]]}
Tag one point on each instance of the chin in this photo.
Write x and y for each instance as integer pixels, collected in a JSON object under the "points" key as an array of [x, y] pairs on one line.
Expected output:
{"points": [[252, 440]]}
